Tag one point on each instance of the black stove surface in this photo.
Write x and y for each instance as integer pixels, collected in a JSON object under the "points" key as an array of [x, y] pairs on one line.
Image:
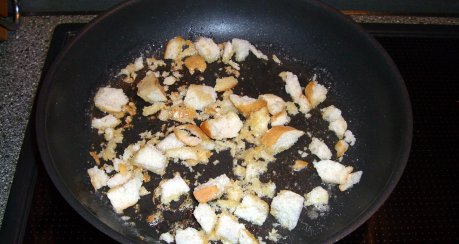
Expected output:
{"points": [[424, 206]]}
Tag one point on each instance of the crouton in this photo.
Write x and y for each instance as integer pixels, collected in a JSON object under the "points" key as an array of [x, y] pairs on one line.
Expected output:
{"points": [[320, 149], [169, 142], [190, 235], [98, 177], [167, 237], [332, 172], [351, 180], [253, 209], [338, 126], [300, 165], [245, 237], [255, 169], [190, 134], [341, 148], [126, 195], [150, 90], [228, 229], [172, 189], [194, 63], [331, 113], [207, 49], [119, 179], [182, 114], [349, 137], [108, 121], [205, 216], [280, 138], [316, 93], [212, 189], [247, 105], [280, 118], [200, 96], [293, 88], [174, 48], [317, 197], [286, 208], [223, 127], [258, 122], [191, 155], [187, 50], [152, 109], [151, 159], [110, 100], [225, 83], [241, 49], [275, 104]]}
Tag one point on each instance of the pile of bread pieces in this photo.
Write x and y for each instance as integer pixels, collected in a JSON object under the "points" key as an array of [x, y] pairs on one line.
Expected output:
{"points": [[207, 120]]}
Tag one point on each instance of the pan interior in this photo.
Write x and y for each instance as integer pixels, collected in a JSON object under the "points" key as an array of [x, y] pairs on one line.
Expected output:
{"points": [[362, 81]]}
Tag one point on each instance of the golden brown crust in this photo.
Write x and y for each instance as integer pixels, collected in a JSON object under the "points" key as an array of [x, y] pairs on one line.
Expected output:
{"points": [[205, 127], [183, 114], [248, 108], [272, 135], [341, 148], [206, 193], [225, 83], [193, 138], [194, 63], [172, 50], [279, 115], [95, 156], [299, 165]]}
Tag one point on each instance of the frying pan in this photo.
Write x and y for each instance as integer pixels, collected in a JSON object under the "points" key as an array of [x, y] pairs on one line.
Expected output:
{"points": [[310, 37]]}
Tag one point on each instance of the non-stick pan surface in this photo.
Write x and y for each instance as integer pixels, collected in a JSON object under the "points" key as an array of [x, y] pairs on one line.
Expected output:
{"points": [[364, 83]]}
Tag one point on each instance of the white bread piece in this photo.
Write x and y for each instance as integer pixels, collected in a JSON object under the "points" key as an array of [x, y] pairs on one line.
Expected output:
{"points": [[192, 155], [172, 189], [194, 63], [126, 195], [262, 189], [338, 126], [212, 189], [151, 159], [98, 177], [108, 121], [189, 236], [317, 197], [331, 113], [169, 142], [169, 80], [150, 90], [258, 122], [167, 237], [223, 127], [258, 53], [225, 83], [293, 88], [280, 138], [241, 49], [316, 93], [119, 179], [245, 237], [280, 118], [320, 149], [275, 103], [205, 216], [174, 47], [351, 180], [207, 49], [253, 209], [190, 50], [110, 100], [286, 208], [228, 52], [199, 96], [152, 109], [349, 137], [228, 228], [255, 169], [332, 172], [247, 105]]}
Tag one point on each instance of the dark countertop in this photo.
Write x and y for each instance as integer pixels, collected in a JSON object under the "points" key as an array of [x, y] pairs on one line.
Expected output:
{"points": [[21, 61]]}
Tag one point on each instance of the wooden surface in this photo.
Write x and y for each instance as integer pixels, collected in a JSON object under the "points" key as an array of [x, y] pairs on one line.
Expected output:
{"points": [[3, 13]]}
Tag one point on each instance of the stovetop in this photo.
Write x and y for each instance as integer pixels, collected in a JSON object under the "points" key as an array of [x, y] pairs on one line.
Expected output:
{"points": [[424, 206]]}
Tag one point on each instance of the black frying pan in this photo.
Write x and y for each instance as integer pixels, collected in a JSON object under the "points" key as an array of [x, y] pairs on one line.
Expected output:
{"points": [[364, 83]]}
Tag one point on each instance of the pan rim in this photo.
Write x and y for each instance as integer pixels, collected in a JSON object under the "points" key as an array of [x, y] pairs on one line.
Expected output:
{"points": [[377, 202]]}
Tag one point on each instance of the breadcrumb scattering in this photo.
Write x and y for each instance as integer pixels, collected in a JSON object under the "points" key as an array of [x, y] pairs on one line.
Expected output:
{"points": [[110, 100], [286, 208]]}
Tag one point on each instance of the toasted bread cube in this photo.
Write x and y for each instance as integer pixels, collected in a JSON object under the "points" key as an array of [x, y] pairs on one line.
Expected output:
{"points": [[247, 105], [349, 137], [331, 113], [320, 149], [293, 88], [316, 93], [169, 142], [286, 208], [228, 228], [199, 96], [281, 138], [126, 195], [205, 216], [332, 172], [275, 103], [280, 118], [317, 197], [190, 134], [212, 189], [167, 237], [207, 49], [228, 52], [151, 159], [152, 109], [338, 126], [174, 47], [253, 209], [245, 237], [119, 179], [241, 49], [194, 63], [225, 83], [172, 189], [108, 121], [190, 236], [98, 177], [110, 100], [150, 90], [300, 165], [223, 127], [351, 180], [341, 148], [258, 122]]}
